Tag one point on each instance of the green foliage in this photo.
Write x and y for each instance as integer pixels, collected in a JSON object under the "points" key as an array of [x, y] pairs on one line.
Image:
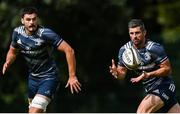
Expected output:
{"points": [[169, 19], [171, 35], [95, 29]]}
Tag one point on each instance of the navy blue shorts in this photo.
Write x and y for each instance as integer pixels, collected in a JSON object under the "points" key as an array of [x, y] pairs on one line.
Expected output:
{"points": [[166, 91], [44, 86]]}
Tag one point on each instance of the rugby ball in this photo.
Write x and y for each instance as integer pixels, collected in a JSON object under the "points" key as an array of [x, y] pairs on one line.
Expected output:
{"points": [[131, 58]]}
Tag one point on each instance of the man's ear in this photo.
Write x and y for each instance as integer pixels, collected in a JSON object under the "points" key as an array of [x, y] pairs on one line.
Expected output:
{"points": [[22, 20], [144, 32]]}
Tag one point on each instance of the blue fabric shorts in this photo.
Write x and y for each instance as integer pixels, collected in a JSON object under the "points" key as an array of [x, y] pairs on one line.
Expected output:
{"points": [[166, 91], [45, 86]]}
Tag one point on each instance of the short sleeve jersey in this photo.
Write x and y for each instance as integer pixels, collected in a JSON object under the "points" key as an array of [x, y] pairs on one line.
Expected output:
{"points": [[37, 49], [151, 56]]}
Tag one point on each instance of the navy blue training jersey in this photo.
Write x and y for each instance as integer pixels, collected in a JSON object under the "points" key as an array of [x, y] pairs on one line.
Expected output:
{"points": [[37, 49], [151, 56]]}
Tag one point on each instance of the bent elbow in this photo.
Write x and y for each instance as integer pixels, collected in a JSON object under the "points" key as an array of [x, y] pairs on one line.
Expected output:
{"points": [[70, 51]]}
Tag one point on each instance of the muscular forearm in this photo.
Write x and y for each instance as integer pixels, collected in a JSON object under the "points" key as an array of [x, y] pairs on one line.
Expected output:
{"points": [[70, 57], [71, 62], [160, 72], [163, 71], [11, 56]]}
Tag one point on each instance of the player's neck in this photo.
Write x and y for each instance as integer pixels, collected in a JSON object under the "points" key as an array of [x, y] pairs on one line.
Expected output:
{"points": [[28, 33], [142, 45]]}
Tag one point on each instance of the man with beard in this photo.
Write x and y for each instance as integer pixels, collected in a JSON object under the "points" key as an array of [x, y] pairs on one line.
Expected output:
{"points": [[154, 71], [35, 43]]}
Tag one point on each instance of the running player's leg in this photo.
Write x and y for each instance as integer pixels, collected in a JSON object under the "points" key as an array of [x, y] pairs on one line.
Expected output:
{"points": [[167, 94], [151, 103], [46, 90], [175, 108], [39, 104], [32, 89]]}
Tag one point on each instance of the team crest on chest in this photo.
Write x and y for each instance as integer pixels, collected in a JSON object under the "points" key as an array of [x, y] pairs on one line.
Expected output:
{"points": [[38, 41], [147, 56]]}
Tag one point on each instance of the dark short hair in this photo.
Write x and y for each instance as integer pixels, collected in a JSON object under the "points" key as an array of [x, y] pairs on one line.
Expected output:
{"points": [[28, 10], [136, 23]]}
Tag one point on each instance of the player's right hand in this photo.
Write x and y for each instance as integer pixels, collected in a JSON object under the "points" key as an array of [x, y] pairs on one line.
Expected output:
{"points": [[113, 69]]}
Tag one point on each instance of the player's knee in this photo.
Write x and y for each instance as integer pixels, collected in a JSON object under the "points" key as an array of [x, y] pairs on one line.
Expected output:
{"points": [[175, 108], [39, 102]]}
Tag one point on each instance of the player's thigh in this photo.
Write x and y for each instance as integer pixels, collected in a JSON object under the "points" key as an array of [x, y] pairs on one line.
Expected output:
{"points": [[151, 103], [48, 87], [175, 108], [32, 87]]}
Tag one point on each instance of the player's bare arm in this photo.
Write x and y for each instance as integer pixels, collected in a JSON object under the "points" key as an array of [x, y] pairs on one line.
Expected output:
{"points": [[70, 57], [118, 72], [11, 56], [164, 70]]}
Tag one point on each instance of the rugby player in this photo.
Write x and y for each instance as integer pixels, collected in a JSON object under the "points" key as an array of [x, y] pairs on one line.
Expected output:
{"points": [[154, 71], [36, 44]]}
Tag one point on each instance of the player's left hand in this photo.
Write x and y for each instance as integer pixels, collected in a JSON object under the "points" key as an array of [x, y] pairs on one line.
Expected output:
{"points": [[74, 84], [5, 66], [139, 78]]}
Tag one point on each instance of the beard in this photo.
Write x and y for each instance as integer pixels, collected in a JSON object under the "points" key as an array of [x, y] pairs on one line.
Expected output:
{"points": [[31, 28], [137, 42]]}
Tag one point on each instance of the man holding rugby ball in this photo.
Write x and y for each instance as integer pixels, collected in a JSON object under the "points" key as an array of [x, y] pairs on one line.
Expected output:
{"points": [[154, 70]]}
